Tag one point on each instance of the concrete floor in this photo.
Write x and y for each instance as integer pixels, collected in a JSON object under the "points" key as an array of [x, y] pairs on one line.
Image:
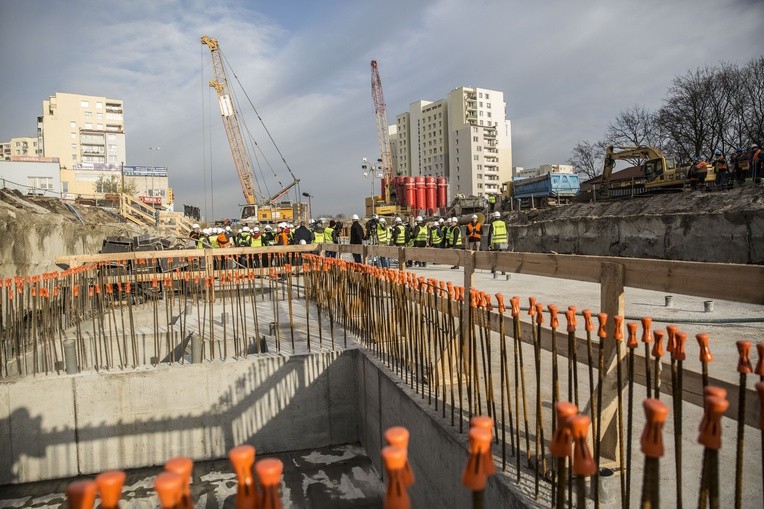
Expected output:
{"points": [[332, 477]]}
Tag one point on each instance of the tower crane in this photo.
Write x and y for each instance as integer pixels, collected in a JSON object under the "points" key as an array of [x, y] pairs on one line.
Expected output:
{"points": [[382, 132], [239, 151]]}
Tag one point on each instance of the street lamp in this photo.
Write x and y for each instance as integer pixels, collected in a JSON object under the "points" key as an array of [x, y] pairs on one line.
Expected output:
{"points": [[373, 170], [153, 154], [310, 205]]}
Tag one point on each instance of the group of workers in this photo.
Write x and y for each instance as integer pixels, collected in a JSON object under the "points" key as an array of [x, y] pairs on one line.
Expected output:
{"points": [[437, 233], [728, 170]]}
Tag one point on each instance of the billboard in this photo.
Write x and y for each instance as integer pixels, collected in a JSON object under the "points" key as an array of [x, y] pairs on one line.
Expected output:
{"points": [[145, 171], [98, 166]]}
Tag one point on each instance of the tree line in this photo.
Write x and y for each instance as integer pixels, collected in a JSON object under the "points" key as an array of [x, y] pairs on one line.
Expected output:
{"points": [[708, 109]]}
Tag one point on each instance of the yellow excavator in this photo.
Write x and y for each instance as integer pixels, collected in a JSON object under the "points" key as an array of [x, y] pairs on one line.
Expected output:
{"points": [[659, 171]]}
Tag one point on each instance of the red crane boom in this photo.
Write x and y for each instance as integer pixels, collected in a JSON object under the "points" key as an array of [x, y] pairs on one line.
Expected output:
{"points": [[382, 133]]}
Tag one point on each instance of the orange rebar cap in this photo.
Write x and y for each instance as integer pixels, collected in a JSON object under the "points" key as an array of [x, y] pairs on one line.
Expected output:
{"points": [[539, 315], [482, 421], [395, 460], [679, 353], [744, 362], [81, 494], [760, 391], [760, 365], [618, 328], [169, 487], [561, 444], [711, 429], [632, 342], [553, 321], [110, 487], [658, 346], [269, 471], [647, 324], [397, 436], [583, 463], [671, 331], [515, 306], [475, 475], [242, 457], [588, 325], [705, 353], [181, 466], [532, 306], [602, 319], [656, 413], [570, 316]]}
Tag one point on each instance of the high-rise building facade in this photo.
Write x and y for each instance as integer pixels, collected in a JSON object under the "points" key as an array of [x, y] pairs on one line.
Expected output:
{"points": [[82, 129], [465, 137]]}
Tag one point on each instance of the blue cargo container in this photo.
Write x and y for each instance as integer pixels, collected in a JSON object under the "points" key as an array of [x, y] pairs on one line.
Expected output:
{"points": [[552, 188]]}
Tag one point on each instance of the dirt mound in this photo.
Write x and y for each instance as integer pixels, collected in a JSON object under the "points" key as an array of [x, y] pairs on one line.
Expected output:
{"points": [[39, 229]]}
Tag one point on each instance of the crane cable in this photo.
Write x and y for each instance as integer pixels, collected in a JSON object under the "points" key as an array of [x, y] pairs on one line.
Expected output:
{"points": [[259, 117]]}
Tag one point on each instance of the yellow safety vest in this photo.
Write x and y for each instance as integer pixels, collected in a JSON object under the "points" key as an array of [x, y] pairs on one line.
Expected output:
{"points": [[382, 234], [498, 232], [328, 233]]}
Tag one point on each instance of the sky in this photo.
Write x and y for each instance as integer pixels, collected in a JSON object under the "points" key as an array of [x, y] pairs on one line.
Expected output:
{"points": [[566, 68]]}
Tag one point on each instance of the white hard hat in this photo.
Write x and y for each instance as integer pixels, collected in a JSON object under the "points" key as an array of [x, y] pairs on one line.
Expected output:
{"points": [[302, 242], [256, 229], [228, 228], [440, 221], [419, 219], [474, 216], [268, 227], [246, 228], [496, 214], [375, 216], [454, 219], [355, 217], [382, 220], [312, 221], [398, 220], [196, 226], [282, 225]]}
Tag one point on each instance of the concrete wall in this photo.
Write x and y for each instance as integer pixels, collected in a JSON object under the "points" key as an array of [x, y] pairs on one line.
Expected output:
{"points": [[737, 237], [60, 426], [437, 452]]}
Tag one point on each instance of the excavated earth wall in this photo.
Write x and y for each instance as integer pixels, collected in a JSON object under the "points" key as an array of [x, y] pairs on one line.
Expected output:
{"points": [[712, 227], [37, 230]]}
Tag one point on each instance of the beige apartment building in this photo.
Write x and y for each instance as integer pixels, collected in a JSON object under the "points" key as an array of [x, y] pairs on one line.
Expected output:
{"points": [[87, 134], [465, 137], [24, 146]]}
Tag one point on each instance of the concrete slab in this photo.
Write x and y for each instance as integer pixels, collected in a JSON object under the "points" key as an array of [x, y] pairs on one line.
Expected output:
{"points": [[338, 477]]}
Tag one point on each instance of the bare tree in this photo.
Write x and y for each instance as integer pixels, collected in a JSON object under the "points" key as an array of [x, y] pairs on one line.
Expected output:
{"points": [[588, 158], [752, 96]]}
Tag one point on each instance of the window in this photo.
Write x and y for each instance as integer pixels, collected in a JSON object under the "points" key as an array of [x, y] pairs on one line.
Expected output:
{"points": [[479, 175], [99, 127], [113, 159], [40, 182], [99, 116], [74, 147], [479, 148], [112, 148], [488, 105], [474, 138], [74, 157], [481, 104], [88, 114], [476, 157], [88, 126], [480, 95], [99, 106], [486, 95], [73, 136], [72, 124], [85, 104], [479, 166], [112, 137], [65, 187], [480, 186], [489, 114]]}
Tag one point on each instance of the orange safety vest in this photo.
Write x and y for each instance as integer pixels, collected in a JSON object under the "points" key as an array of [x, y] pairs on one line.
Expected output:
{"points": [[474, 232], [282, 239], [222, 240]]}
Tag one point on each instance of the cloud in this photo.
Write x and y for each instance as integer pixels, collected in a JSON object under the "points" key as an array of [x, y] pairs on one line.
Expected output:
{"points": [[566, 70]]}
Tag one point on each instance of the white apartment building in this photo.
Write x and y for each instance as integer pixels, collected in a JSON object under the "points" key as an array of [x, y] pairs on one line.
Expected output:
{"points": [[82, 129], [465, 137]]}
